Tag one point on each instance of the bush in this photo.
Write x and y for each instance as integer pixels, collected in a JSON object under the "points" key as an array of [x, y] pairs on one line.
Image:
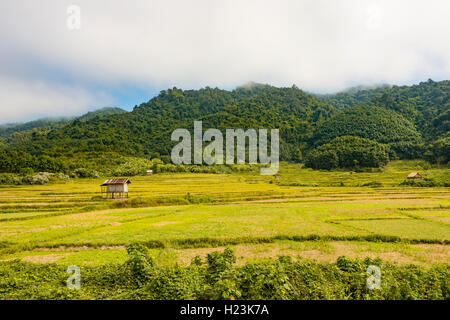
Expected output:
{"points": [[133, 167], [139, 262], [40, 178], [427, 182], [26, 171], [85, 173], [372, 184], [142, 277], [11, 179], [34, 179], [195, 199], [159, 167]]}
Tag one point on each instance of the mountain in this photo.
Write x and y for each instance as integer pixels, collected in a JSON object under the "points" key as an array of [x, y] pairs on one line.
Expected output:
{"points": [[371, 122], [146, 130], [10, 128], [426, 105], [100, 113], [405, 118]]}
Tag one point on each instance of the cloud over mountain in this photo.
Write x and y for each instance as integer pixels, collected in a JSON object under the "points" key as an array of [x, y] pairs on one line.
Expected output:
{"points": [[320, 45]]}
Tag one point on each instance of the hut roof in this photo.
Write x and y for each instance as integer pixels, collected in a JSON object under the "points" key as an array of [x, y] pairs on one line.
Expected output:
{"points": [[115, 181], [413, 174]]}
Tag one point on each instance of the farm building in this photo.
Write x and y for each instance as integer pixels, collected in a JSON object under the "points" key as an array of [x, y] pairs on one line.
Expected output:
{"points": [[414, 175], [149, 172], [115, 187]]}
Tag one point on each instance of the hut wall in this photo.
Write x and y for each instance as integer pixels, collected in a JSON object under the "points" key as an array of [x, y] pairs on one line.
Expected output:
{"points": [[117, 188]]}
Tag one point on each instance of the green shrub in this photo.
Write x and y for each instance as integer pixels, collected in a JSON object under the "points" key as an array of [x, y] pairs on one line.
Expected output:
{"points": [[139, 262], [132, 167], [40, 178], [144, 277], [85, 173], [373, 184], [427, 182], [202, 198]]}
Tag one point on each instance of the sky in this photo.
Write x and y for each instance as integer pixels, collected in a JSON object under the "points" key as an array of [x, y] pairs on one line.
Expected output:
{"points": [[64, 58]]}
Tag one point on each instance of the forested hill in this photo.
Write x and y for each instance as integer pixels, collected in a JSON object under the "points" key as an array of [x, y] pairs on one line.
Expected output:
{"points": [[427, 105], [10, 128], [100, 113], [146, 130], [404, 118]]}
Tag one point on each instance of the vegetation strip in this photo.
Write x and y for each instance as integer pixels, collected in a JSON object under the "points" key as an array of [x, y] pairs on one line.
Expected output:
{"points": [[142, 276], [217, 242]]}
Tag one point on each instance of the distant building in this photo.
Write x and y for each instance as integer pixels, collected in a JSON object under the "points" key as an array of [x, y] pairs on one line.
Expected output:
{"points": [[115, 188], [149, 172], [414, 175], [277, 176]]}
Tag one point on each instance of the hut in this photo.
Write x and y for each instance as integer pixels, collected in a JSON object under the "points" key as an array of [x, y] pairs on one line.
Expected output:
{"points": [[115, 187], [149, 172], [277, 176], [414, 175]]}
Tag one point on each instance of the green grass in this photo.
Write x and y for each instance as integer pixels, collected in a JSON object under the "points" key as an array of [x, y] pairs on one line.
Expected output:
{"points": [[235, 209]]}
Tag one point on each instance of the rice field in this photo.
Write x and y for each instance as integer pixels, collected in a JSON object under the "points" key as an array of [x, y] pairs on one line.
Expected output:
{"points": [[309, 214]]}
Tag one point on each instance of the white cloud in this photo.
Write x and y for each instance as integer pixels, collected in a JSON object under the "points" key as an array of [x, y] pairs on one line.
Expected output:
{"points": [[320, 45], [33, 99]]}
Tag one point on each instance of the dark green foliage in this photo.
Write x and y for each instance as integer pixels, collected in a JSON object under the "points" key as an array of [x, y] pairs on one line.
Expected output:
{"points": [[7, 129], [370, 122], [49, 123], [406, 150], [141, 278], [85, 173], [427, 104], [146, 130], [139, 262], [348, 152], [372, 184], [409, 119], [439, 151], [322, 159], [428, 182], [94, 165], [218, 263], [100, 113], [24, 163], [33, 178]]}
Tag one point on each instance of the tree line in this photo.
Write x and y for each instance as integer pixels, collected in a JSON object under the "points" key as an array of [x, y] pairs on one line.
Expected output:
{"points": [[410, 121]]}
